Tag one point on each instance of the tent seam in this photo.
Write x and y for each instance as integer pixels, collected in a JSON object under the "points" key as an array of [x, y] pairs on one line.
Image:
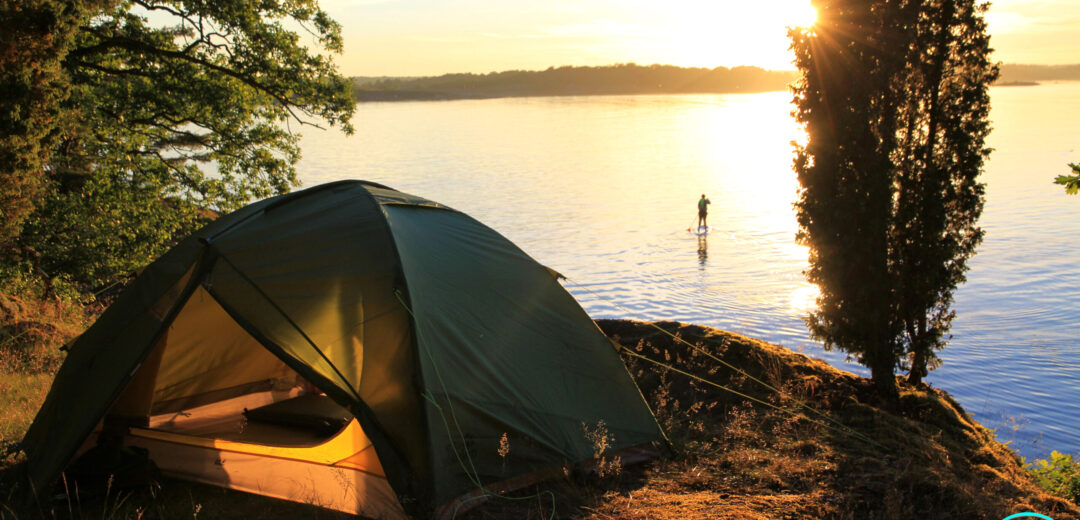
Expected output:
{"points": [[288, 319], [418, 373]]}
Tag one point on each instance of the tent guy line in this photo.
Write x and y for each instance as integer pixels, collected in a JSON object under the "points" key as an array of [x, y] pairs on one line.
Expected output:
{"points": [[793, 413], [839, 426], [470, 470]]}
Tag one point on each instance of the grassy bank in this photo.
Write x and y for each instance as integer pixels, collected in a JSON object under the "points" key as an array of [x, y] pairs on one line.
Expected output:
{"points": [[741, 452], [928, 460], [33, 328]]}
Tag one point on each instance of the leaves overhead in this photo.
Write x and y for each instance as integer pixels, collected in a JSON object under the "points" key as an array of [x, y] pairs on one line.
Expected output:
{"points": [[183, 109], [220, 81]]}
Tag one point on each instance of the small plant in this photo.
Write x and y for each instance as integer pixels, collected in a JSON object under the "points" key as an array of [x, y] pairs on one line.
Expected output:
{"points": [[504, 445], [1058, 475], [601, 440], [504, 448]]}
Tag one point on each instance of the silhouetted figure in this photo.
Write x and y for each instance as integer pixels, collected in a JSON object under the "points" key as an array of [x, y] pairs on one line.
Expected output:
{"points": [[702, 211]]}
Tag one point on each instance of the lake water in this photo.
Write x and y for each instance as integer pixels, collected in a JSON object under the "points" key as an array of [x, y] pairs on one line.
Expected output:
{"points": [[603, 189]]}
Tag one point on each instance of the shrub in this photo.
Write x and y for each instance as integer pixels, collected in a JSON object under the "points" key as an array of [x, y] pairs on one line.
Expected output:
{"points": [[1059, 475]]}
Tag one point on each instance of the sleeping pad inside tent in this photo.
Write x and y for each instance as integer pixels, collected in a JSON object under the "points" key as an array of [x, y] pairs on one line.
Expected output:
{"points": [[349, 346]]}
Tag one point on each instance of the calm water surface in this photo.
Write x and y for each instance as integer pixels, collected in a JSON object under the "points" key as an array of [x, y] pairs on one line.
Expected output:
{"points": [[603, 189]]}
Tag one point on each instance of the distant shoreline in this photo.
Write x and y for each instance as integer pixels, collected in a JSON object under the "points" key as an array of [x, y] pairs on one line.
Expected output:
{"points": [[622, 79], [628, 79], [392, 96]]}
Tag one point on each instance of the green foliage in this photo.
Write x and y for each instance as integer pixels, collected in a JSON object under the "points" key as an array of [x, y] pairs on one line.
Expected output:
{"points": [[35, 322], [34, 36], [103, 232], [894, 100], [1058, 475], [179, 109], [1071, 182]]}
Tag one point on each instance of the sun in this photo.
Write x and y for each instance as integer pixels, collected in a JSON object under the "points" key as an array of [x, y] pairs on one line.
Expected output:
{"points": [[731, 33], [799, 14]]}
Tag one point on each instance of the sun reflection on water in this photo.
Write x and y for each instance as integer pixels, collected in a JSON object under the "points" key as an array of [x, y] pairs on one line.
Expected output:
{"points": [[803, 299]]}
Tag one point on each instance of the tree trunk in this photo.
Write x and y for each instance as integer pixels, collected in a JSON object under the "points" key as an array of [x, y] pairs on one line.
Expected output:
{"points": [[881, 374], [918, 368], [919, 350]]}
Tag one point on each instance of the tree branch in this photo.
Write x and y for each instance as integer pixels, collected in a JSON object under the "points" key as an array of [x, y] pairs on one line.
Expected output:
{"points": [[131, 44]]}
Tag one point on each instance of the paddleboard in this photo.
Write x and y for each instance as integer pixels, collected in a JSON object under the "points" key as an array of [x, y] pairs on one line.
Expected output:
{"points": [[700, 230]]}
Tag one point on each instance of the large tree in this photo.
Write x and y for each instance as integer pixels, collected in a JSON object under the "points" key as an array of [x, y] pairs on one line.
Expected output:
{"points": [[180, 109], [894, 100]]}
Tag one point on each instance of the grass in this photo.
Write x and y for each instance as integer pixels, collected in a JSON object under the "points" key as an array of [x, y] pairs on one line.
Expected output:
{"points": [[21, 395], [33, 327], [169, 500], [732, 457]]}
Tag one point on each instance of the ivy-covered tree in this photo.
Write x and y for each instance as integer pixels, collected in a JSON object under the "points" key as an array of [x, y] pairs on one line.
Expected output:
{"points": [[34, 37], [894, 100], [182, 109]]}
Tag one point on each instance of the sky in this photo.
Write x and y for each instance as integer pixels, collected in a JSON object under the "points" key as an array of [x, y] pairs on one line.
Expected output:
{"points": [[432, 37]]}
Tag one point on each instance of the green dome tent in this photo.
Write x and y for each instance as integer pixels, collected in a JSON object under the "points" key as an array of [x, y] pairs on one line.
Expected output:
{"points": [[346, 345]]}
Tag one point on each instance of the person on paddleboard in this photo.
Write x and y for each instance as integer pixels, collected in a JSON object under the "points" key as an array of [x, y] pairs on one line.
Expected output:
{"points": [[702, 211]]}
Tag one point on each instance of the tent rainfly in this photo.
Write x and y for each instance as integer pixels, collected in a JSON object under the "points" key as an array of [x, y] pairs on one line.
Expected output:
{"points": [[350, 346]]}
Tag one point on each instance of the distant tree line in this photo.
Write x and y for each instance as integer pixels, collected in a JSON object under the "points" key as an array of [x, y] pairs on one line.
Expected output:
{"points": [[627, 78], [1019, 73]]}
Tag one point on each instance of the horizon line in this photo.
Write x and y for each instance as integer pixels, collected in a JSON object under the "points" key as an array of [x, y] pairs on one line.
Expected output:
{"points": [[650, 65]]}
